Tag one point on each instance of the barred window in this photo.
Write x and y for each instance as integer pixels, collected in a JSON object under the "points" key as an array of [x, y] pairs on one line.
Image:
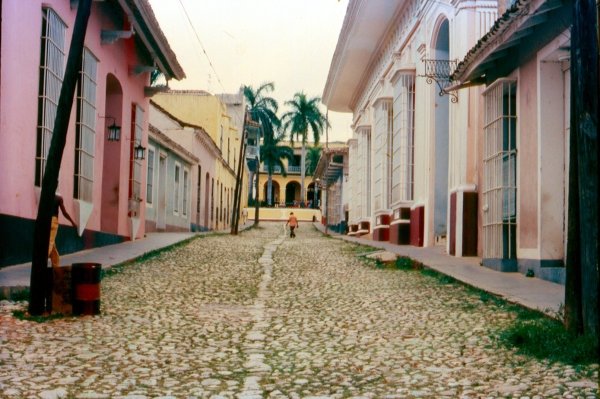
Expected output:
{"points": [[85, 136], [52, 68], [500, 170], [150, 177], [176, 189], [380, 156], [403, 139], [185, 191], [135, 187]]}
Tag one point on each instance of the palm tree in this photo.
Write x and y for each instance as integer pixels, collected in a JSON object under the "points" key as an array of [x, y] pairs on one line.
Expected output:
{"points": [[263, 110], [305, 115], [272, 154], [312, 159]]}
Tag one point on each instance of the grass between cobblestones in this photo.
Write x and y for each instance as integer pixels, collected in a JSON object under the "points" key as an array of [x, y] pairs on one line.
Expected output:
{"points": [[532, 333]]}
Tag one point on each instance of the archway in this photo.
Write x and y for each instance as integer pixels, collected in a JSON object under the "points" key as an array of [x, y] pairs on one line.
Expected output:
{"points": [[275, 196], [292, 194], [313, 195], [111, 164], [441, 146]]}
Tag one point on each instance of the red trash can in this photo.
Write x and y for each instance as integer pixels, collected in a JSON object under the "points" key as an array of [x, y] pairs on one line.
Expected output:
{"points": [[86, 288]]}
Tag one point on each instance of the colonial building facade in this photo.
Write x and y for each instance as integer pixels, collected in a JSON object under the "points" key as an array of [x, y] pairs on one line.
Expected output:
{"points": [[216, 124], [439, 159], [413, 174], [523, 65], [102, 178]]}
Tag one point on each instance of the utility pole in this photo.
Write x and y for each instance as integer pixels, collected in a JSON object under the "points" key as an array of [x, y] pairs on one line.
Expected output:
{"points": [[41, 234], [257, 203], [237, 197], [582, 280]]}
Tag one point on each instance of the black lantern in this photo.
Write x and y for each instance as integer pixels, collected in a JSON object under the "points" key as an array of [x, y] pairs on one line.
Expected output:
{"points": [[139, 151], [114, 132]]}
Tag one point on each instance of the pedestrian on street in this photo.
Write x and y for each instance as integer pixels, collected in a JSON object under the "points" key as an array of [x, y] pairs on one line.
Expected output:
{"points": [[52, 251], [293, 223]]}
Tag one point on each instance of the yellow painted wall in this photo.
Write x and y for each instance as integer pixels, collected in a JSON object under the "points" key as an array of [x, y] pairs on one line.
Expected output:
{"points": [[207, 111], [282, 214]]}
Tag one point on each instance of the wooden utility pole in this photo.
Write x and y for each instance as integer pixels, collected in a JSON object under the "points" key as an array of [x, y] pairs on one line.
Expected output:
{"points": [[41, 234], [238, 183], [257, 203], [582, 285]]}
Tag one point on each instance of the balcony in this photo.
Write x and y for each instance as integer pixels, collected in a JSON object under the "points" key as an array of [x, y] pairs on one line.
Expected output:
{"points": [[277, 169], [440, 71]]}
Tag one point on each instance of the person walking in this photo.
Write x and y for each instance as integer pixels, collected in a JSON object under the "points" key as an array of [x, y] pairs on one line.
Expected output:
{"points": [[52, 250], [293, 223]]}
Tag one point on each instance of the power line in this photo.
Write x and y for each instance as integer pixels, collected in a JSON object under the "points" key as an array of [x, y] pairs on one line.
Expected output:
{"points": [[201, 45]]}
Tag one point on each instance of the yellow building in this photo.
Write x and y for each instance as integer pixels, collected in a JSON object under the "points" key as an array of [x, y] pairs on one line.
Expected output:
{"points": [[222, 118], [287, 190]]}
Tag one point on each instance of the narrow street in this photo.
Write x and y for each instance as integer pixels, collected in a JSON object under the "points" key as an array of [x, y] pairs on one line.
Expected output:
{"points": [[261, 315]]}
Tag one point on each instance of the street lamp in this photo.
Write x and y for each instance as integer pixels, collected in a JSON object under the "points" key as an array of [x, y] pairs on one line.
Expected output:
{"points": [[139, 151], [114, 130]]}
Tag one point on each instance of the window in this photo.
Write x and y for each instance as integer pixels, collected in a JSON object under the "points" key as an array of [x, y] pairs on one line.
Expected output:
{"points": [[199, 191], [403, 139], [150, 177], [52, 60], [381, 135], [499, 167], [136, 164], [185, 191], [85, 135], [176, 189]]}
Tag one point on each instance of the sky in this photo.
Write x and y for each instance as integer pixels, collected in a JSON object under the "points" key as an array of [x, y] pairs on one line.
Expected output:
{"points": [[250, 42]]}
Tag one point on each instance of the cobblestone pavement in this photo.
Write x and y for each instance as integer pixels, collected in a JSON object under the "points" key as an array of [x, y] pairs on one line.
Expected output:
{"points": [[265, 316]]}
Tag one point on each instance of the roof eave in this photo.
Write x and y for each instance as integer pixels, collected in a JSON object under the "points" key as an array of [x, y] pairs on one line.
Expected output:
{"points": [[148, 29], [366, 24]]}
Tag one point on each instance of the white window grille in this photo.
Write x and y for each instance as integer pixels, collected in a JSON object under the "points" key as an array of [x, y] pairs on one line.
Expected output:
{"points": [[380, 158], [150, 177], [52, 66], [403, 139], [85, 137], [176, 188], [500, 177], [136, 164], [363, 182], [185, 192]]}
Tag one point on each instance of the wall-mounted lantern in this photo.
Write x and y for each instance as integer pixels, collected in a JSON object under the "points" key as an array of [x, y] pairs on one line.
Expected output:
{"points": [[139, 152], [114, 130]]}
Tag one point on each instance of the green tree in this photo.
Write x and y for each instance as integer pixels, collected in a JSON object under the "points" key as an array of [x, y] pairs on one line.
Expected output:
{"points": [[263, 110], [312, 159], [304, 115], [272, 154]]}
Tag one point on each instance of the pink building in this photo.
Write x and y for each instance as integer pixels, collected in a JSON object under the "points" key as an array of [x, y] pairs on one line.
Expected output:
{"points": [[101, 180]]}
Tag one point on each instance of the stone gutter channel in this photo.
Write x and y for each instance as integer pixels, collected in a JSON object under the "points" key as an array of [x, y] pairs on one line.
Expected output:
{"points": [[254, 344]]}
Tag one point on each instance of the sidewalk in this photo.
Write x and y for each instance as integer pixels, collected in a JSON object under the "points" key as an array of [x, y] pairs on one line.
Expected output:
{"points": [[531, 292], [17, 277]]}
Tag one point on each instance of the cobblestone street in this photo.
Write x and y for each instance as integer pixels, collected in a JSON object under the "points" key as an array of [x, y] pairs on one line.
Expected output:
{"points": [[261, 315]]}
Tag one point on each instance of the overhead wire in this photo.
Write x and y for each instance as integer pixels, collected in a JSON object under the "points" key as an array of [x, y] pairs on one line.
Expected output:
{"points": [[187, 15]]}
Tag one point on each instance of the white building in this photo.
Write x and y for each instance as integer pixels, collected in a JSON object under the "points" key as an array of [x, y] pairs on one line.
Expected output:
{"points": [[412, 158]]}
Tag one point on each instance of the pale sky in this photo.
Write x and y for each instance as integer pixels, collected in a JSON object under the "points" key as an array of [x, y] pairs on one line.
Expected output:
{"points": [[288, 42]]}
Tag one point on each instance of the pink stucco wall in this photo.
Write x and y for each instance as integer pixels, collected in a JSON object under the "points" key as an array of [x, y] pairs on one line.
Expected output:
{"points": [[21, 29], [528, 156]]}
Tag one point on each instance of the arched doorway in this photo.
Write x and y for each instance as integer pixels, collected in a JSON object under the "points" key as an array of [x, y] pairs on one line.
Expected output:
{"points": [[313, 195], [441, 146], [292, 194], [274, 193], [207, 195], [111, 164]]}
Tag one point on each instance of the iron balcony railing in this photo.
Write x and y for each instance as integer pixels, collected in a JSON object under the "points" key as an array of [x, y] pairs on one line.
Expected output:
{"points": [[440, 71], [277, 169]]}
